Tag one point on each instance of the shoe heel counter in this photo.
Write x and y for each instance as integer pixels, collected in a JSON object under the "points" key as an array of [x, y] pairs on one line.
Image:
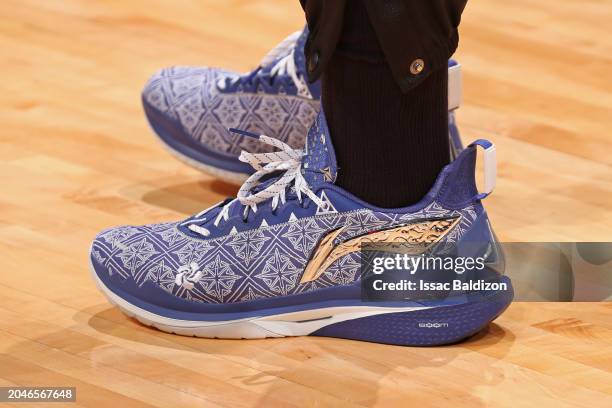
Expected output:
{"points": [[479, 240], [458, 188], [457, 185]]}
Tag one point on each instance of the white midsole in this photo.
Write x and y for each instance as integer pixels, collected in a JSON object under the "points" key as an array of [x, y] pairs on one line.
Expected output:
{"points": [[299, 323]]}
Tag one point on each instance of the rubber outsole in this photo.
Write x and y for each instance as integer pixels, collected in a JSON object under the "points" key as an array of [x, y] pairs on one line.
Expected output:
{"points": [[429, 327], [409, 326]]}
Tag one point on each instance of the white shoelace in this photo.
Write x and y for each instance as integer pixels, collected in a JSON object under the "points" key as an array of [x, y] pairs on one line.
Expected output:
{"points": [[284, 66], [287, 159]]}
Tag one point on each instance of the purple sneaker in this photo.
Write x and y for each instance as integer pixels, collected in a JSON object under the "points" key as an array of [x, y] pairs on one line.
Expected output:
{"points": [[190, 109], [284, 258]]}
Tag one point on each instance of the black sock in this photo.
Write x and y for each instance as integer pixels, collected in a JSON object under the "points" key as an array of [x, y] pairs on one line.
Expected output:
{"points": [[390, 146]]}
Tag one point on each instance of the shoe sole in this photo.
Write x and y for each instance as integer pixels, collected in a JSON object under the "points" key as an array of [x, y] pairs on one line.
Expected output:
{"points": [[409, 326]]}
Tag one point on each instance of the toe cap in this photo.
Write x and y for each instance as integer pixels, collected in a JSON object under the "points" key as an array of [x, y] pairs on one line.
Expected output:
{"points": [[121, 251], [127, 259]]}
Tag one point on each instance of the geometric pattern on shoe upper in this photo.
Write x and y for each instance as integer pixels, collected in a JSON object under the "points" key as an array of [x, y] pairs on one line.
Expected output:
{"points": [[257, 263], [274, 100]]}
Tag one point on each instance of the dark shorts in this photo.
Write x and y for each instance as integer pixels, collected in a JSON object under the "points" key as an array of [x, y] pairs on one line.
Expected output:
{"points": [[416, 36]]}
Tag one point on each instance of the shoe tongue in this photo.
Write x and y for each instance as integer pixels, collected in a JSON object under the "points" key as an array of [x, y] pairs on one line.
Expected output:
{"points": [[319, 161], [299, 59]]}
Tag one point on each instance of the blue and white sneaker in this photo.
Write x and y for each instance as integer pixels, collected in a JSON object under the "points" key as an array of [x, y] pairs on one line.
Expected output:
{"points": [[283, 258], [190, 109]]}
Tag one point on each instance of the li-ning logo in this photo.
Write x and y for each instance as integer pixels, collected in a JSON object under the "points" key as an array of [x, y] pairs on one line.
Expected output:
{"points": [[434, 325], [327, 252]]}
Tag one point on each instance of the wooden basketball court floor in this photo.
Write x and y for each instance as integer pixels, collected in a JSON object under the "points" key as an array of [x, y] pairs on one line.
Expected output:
{"points": [[76, 156]]}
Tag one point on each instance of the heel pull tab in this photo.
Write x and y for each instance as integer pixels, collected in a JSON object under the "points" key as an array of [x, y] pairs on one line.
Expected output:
{"points": [[490, 167]]}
